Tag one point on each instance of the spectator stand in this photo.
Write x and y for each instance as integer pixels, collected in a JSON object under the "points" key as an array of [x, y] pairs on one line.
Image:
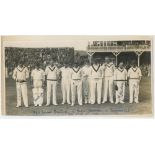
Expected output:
{"points": [[117, 47]]}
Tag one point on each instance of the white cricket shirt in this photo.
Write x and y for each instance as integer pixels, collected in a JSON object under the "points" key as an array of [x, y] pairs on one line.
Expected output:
{"points": [[76, 73], [38, 74], [120, 74], [86, 71], [96, 71], [109, 70], [20, 73], [52, 72], [134, 73], [65, 73]]}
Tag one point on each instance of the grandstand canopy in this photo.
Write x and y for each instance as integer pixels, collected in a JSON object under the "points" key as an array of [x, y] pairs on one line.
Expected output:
{"points": [[119, 46]]}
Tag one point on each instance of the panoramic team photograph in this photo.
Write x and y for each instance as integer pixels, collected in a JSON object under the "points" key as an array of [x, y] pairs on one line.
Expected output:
{"points": [[77, 75]]}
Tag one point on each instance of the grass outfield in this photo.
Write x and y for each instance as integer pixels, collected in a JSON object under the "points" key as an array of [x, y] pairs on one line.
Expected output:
{"points": [[144, 107]]}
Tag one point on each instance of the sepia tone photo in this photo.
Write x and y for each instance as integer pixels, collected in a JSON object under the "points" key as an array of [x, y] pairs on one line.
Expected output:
{"points": [[77, 75]]}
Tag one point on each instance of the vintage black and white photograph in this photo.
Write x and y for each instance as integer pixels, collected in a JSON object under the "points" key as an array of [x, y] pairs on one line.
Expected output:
{"points": [[77, 75]]}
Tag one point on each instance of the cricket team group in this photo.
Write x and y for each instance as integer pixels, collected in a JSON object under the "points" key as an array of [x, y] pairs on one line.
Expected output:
{"points": [[88, 84]]}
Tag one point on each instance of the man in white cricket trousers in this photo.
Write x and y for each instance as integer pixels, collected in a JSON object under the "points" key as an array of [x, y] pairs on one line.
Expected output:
{"points": [[20, 75], [134, 76], [76, 84], [86, 82], [66, 83], [52, 73], [108, 80], [38, 77], [120, 80], [96, 81]]}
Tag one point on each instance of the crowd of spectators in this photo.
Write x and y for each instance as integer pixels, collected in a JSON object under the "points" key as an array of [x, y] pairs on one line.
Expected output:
{"points": [[32, 55], [146, 69]]}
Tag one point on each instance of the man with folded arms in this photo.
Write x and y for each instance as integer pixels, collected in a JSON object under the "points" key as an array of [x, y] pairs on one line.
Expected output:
{"points": [[20, 75]]}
